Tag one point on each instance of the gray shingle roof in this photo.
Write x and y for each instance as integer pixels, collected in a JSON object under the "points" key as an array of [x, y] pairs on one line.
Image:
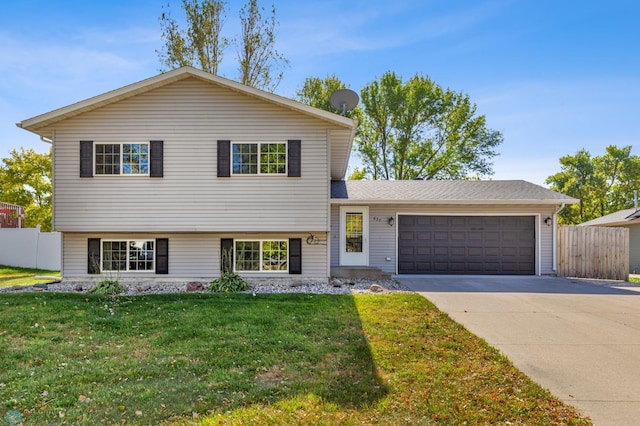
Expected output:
{"points": [[445, 192], [621, 217]]}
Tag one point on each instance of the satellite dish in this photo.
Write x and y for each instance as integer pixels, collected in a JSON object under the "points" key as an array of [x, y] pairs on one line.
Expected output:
{"points": [[344, 100]]}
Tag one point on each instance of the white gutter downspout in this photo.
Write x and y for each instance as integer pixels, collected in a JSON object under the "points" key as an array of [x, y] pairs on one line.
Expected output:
{"points": [[555, 238], [46, 140]]}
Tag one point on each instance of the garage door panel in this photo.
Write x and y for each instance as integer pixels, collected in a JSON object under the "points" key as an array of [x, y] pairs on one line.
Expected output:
{"points": [[424, 251], [466, 245], [474, 236], [492, 236], [406, 236], [439, 251], [492, 251], [458, 236], [510, 236], [509, 251], [441, 236], [457, 251], [438, 220], [406, 251]]}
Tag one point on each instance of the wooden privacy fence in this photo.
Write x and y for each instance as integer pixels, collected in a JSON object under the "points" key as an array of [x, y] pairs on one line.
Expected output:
{"points": [[593, 252]]}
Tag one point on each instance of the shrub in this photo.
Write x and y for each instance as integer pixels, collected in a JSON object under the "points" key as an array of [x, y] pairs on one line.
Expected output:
{"points": [[108, 288], [229, 282]]}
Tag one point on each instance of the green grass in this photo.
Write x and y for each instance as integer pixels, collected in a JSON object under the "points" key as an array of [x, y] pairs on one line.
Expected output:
{"points": [[265, 359], [634, 279], [12, 275]]}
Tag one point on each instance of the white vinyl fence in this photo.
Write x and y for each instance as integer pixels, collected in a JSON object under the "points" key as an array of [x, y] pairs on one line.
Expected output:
{"points": [[30, 248]]}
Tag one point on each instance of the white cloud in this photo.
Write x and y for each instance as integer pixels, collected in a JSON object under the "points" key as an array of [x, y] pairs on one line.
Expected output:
{"points": [[318, 31]]}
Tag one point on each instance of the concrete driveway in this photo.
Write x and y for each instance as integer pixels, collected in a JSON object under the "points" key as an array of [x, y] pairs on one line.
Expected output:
{"points": [[578, 339]]}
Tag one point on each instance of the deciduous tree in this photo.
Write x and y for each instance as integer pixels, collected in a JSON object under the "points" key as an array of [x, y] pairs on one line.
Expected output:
{"points": [[202, 44], [414, 129], [603, 184], [25, 180], [260, 64]]}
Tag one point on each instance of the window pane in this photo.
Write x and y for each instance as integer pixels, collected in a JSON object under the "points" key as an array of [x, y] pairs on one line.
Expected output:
{"points": [[141, 256], [135, 159], [107, 159], [353, 232], [273, 158], [247, 255], [245, 158], [114, 256], [274, 256]]}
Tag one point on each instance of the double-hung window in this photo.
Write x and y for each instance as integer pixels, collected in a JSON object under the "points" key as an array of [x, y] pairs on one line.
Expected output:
{"points": [[122, 159], [261, 255], [130, 255], [259, 158]]}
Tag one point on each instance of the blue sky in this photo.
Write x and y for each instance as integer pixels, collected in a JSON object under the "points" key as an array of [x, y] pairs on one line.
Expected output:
{"points": [[553, 76]]}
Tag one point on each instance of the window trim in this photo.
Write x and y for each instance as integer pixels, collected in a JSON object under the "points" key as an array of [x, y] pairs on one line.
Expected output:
{"points": [[121, 144], [261, 241], [127, 241], [285, 173]]}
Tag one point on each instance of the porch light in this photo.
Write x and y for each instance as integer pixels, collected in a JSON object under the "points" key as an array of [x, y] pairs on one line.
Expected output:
{"points": [[547, 221], [391, 221]]}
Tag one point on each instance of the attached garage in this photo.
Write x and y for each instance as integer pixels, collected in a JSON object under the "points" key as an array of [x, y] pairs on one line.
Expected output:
{"points": [[460, 227], [477, 245]]}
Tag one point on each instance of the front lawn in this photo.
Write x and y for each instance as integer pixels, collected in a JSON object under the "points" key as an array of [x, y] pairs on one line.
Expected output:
{"points": [[13, 275], [264, 359]]}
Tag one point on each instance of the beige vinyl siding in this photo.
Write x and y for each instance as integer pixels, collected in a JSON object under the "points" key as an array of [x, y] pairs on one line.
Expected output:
{"points": [[191, 256], [190, 116], [382, 237]]}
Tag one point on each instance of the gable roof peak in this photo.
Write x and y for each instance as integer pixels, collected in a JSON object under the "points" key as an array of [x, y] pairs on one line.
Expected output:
{"points": [[40, 123]]}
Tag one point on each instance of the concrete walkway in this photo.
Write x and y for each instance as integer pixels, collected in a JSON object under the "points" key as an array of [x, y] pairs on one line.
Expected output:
{"points": [[578, 339]]}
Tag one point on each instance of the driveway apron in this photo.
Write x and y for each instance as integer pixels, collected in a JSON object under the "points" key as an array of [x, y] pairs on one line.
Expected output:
{"points": [[578, 339]]}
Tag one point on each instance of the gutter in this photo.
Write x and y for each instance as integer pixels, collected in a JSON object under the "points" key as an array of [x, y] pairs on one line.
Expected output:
{"points": [[395, 202]]}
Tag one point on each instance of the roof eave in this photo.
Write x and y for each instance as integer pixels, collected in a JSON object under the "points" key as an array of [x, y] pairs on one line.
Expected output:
{"points": [[441, 202]]}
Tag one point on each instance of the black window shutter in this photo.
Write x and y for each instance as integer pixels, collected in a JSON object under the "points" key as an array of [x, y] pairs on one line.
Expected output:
{"points": [[295, 256], [226, 255], [93, 260], [162, 255], [86, 159], [293, 158], [156, 167], [224, 158]]}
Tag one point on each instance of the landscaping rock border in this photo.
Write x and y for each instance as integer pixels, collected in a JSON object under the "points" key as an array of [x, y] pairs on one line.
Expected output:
{"points": [[333, 286]]}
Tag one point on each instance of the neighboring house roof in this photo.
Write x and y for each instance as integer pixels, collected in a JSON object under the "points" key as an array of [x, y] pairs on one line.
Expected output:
{"points": [[619, 218], [444, 192], [42, 124]]}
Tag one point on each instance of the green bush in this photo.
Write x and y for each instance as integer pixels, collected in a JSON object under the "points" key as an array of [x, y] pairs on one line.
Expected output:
{"points": [[108, 288], [229, 282]]}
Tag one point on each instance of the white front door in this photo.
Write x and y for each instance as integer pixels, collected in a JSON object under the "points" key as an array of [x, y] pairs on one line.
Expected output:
{"points": [[354, 236]]}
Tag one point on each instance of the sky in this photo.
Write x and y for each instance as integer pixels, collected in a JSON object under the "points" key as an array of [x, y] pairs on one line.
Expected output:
{"points": [[553, 76]]}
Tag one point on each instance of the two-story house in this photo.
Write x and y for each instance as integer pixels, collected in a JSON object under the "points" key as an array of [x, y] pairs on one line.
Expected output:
{"points": [[185, 174]]}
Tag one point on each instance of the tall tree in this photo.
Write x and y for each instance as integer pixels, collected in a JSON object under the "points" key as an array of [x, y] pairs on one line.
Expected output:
{"points": [[603, 184], [25, 180], [202, 44], [414, 129], [260, 64], [316, 91]]}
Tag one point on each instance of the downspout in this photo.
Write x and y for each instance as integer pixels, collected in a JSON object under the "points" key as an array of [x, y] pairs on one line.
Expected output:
{"points": [[46, 140], [555, 238]]}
